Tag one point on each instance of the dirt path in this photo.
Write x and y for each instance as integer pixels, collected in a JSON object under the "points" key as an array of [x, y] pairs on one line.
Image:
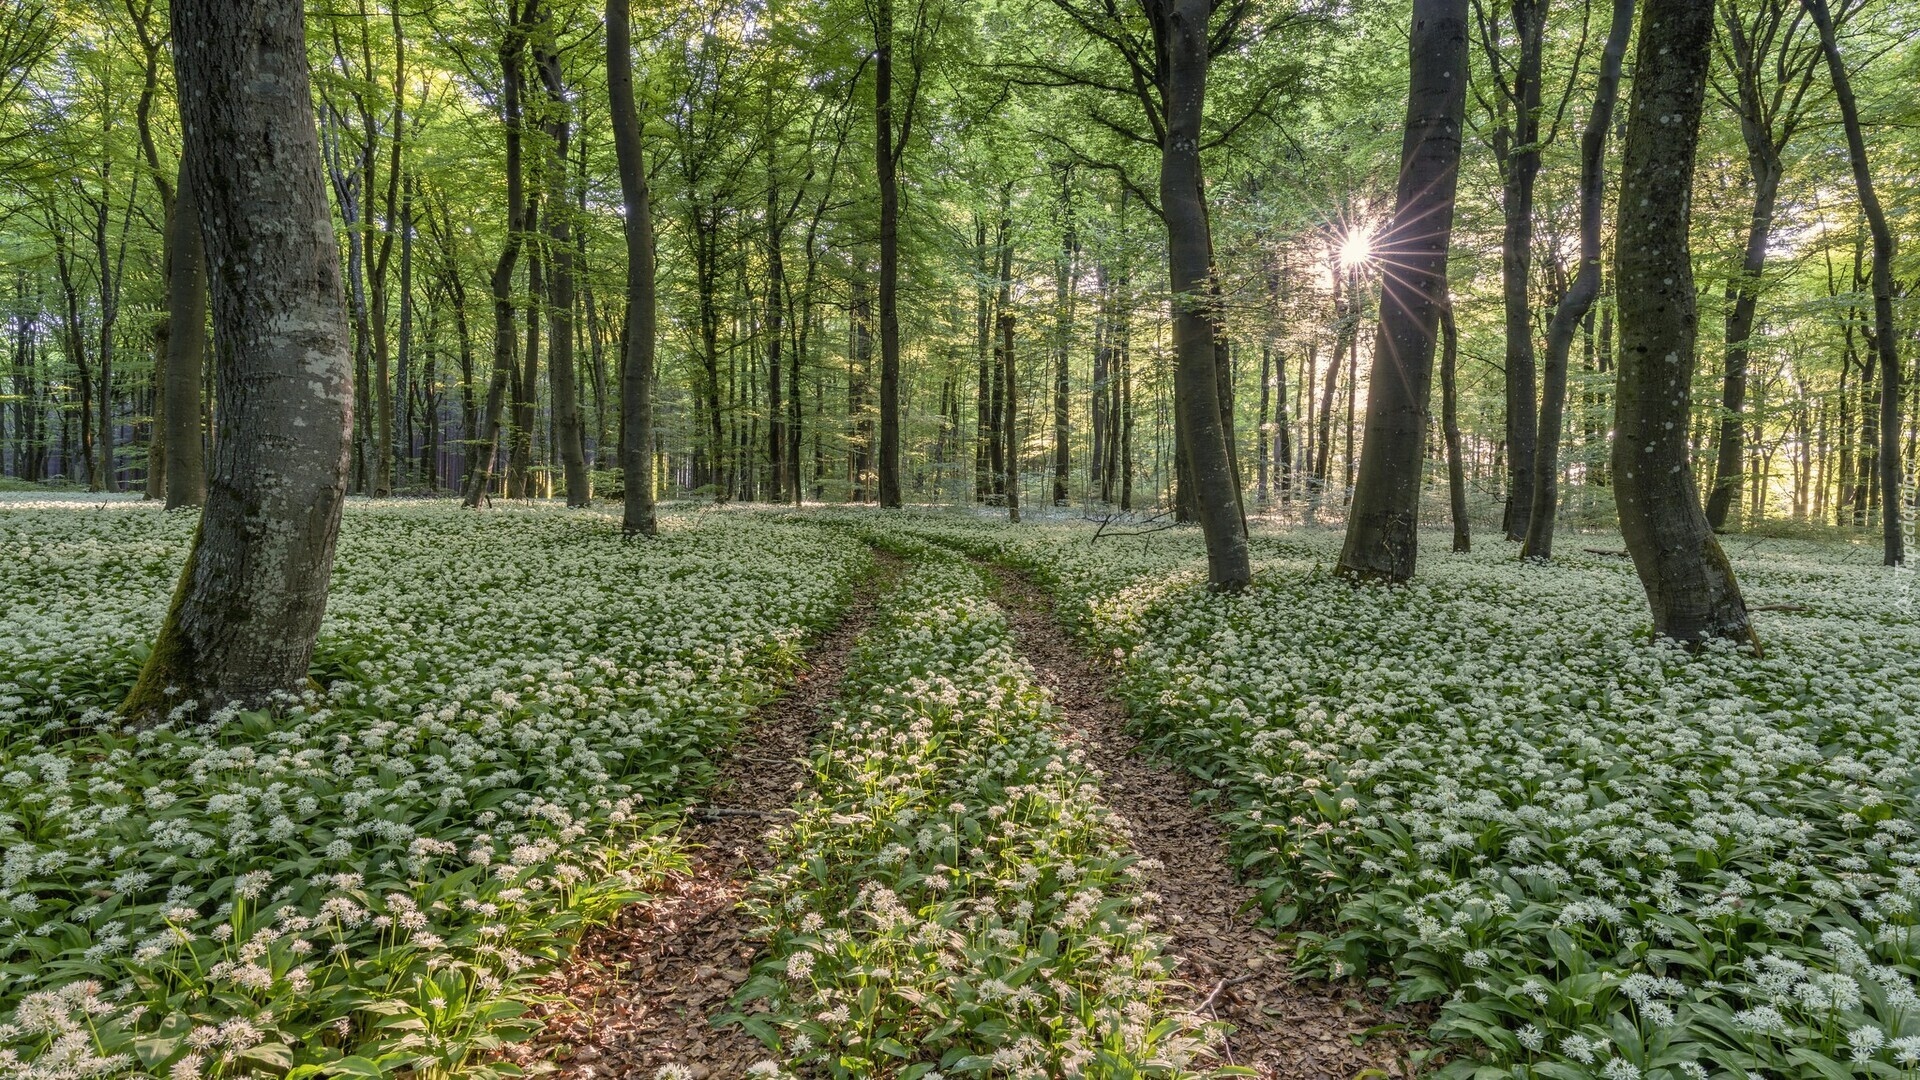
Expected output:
{"points": [[640, 994], [1236, 970]]}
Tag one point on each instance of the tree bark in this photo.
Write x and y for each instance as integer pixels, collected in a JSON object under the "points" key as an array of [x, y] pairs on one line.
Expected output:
{"points": [[985, 435], [568, 430], [1012, 435], [526, 381], [1063, 339], [1771, 75], [1260, 428], [243, 623], [1184, 31], [887, 161], [1885, 339], [636, 364], [776, 328], [108, 479], [382, 375], [1689, 584], [1450, 428], [1745, 296], [1573, 306], [1517, 145], [186, 482], [1098, 412], [485, 457], [1382, 529]]}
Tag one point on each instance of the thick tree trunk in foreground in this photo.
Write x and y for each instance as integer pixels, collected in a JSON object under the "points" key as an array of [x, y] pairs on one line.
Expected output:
{"points": [[1184, 25], [243, 622], [1382, 528], [1690, 585], [636, 369], [1885, 339], [186, 477], [1579, 299]]}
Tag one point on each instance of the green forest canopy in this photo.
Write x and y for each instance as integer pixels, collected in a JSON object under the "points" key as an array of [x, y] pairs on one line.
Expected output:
{"points": [[1030, 150]]}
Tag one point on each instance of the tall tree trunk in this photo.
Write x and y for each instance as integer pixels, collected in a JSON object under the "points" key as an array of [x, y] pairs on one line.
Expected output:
{"points": [[887, 161], [569, 432], [526, 384], [1450, 427], [403, 374], [776, 327], [486, 449], [984, 434], [142, 15], [1098, 400], [1282, 445], [1743, 297], [1885, 339], [108, 478], [1063, 339], [1184, 32], [76, 349], [1001, 450], [243, 623], [1260, 429], [383, 445], [1347, 312], [860, 368], [186, 483], [1517, 145], [1573, 306], [1124, 355], [1012, 433], [1382, 530], [1689, 583]]}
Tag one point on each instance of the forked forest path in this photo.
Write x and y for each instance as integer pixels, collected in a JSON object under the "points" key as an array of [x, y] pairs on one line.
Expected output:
{"points": [[639, 995], [1232, 968]]}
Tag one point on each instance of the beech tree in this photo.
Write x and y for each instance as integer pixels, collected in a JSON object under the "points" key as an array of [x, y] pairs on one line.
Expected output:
{"points": [[636, 370], [1026, 138], [521, 16], [1382, 529], [1573, 307], [1765, 72], [186, 340], [1689, 583], [1181, 27], [243, 623], [1885, 334], [1517, 105]]}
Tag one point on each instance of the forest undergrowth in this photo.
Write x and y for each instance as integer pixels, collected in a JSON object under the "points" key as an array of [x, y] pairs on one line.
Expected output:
{"points": [[371, 880], [1485, 795], [1489, 792]]}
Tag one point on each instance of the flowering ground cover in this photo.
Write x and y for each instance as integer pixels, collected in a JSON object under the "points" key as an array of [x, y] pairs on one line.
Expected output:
{"points": [[952, 898], [1589, 853], [516, 704]]}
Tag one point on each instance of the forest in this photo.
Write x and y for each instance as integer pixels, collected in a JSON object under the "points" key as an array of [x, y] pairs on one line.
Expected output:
{"points": [[960, 538]]}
